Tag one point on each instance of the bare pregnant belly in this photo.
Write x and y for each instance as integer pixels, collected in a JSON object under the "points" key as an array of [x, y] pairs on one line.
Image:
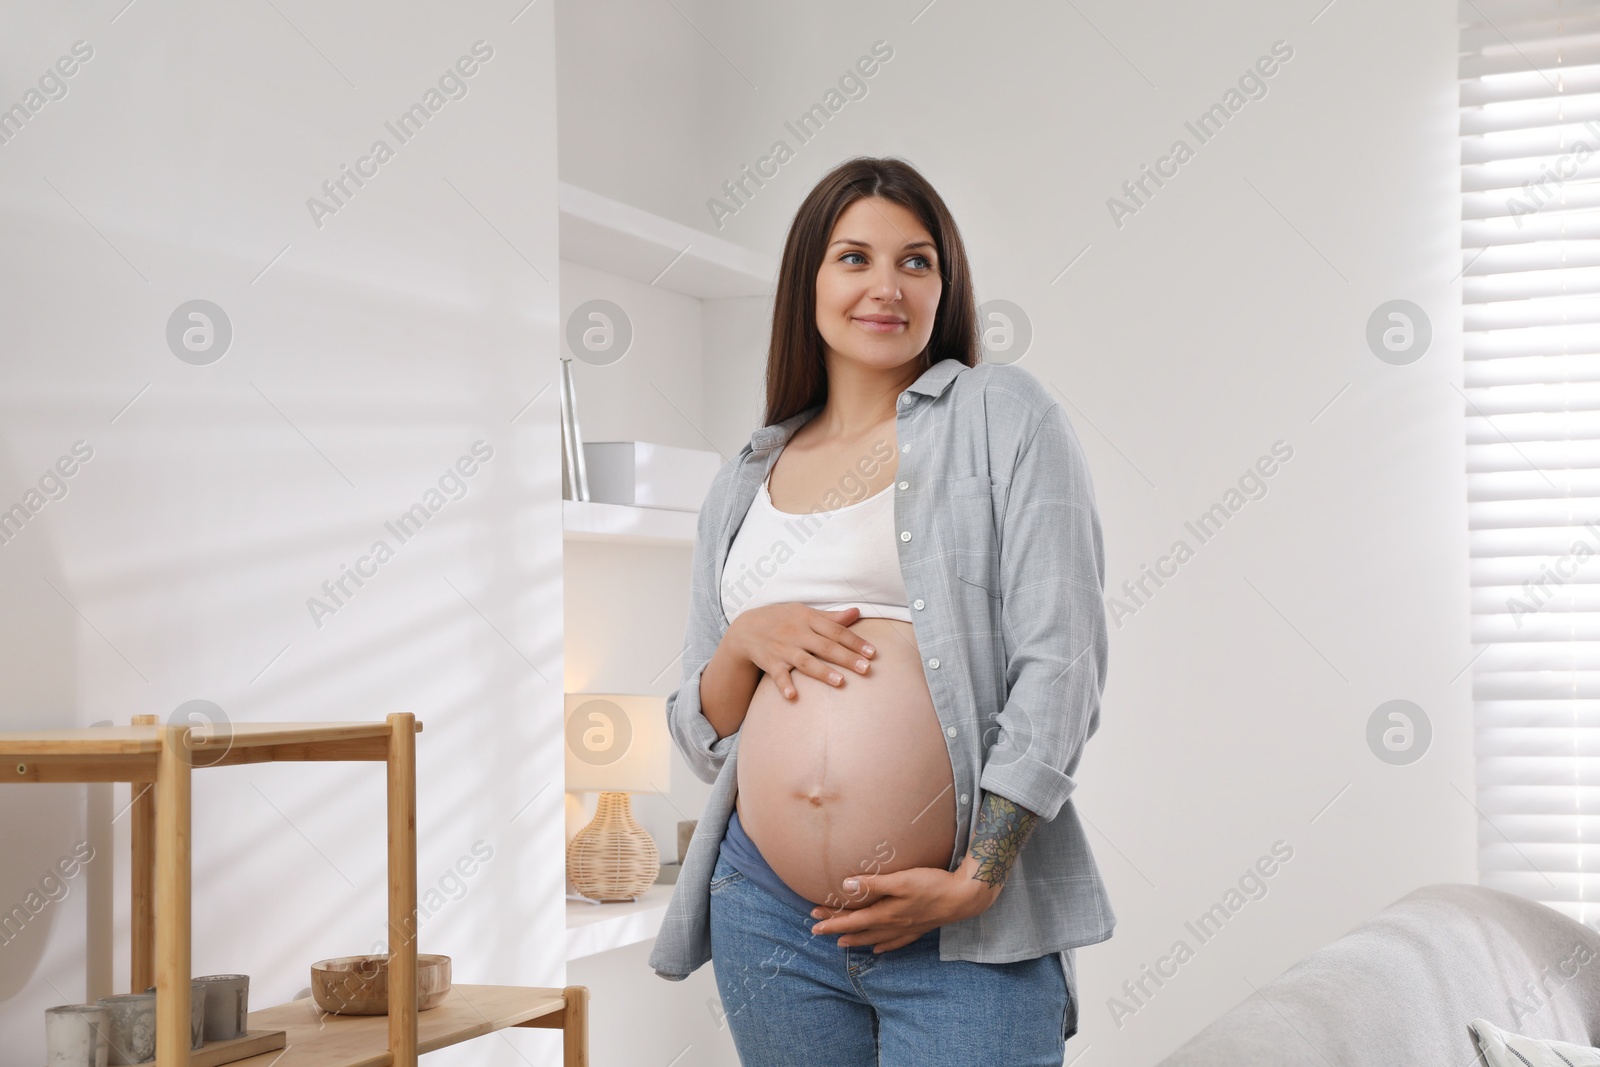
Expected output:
{"points": [[848, 779]]}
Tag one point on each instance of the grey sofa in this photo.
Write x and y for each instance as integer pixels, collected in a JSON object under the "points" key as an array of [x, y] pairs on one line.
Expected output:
{"points": [[1402, 987]]}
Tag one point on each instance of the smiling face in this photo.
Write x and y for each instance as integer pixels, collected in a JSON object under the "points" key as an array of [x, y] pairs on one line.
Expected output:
{"points": [[878, 287]]}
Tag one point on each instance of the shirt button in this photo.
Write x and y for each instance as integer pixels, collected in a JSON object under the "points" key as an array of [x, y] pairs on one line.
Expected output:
{"points": [[905, 399], [963, 798], [905, 485], [951, 730], [934, 663], [906, 447], [917, 603], [905, 535]]}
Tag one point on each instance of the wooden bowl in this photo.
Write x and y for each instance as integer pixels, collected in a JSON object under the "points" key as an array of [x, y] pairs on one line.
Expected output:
{"points": [[359, 985]]}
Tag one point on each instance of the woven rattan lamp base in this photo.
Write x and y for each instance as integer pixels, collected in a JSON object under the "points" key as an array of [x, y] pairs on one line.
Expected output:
{"points": [[613, 858]]}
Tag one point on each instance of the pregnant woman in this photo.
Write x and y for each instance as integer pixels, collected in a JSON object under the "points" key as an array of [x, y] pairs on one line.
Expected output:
{"points": [[895, 655]]}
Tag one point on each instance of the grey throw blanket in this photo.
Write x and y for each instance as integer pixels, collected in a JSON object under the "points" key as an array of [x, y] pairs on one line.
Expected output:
{"points": [[1402, 987]]}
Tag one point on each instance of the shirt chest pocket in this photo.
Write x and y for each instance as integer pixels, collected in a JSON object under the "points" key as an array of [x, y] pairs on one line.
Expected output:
{"points": [[970, 532]]}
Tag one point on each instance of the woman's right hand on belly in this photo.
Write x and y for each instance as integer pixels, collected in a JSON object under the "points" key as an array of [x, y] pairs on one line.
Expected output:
{"points": [[780, 638]]}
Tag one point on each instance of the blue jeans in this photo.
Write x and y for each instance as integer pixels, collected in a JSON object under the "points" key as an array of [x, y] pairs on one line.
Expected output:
{"points": [[792, 998]]}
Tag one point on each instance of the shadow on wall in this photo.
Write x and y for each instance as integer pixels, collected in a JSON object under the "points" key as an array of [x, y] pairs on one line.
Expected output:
{"points": [[49, 869], [213, 532]]}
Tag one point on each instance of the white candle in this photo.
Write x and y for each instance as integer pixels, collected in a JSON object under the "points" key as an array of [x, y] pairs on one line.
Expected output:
{"points": [[131, 1027], [74, 1036], [227, 1005]]}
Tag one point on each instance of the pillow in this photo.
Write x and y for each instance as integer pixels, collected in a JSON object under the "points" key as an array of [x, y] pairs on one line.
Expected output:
{"points": [[1501, 1049]]}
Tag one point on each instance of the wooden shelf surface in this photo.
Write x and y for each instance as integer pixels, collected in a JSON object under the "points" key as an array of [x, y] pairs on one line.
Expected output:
{"points": [[254, 1043], [146, 740], [319, 1040], [130, 753]]}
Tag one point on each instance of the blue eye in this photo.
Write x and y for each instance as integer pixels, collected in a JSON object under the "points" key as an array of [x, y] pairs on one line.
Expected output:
{"points": [[926, 263]]}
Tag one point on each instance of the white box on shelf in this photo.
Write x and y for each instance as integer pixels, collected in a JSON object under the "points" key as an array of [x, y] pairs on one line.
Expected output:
{"points": [[649, 476]]}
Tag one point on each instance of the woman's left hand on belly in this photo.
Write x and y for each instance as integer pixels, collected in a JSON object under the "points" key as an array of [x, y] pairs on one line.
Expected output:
{"points": [[908, 904]]}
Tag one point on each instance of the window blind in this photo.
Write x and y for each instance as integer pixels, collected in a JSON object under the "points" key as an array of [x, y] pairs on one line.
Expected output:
{"points": [[1530, 232]]}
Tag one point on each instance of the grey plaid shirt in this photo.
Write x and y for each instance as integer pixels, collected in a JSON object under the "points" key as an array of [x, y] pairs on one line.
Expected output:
{"points": [[1000, 549]]}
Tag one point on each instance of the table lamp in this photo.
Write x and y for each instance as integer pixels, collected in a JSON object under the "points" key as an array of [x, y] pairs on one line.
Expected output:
{"points": [[616, 744]]}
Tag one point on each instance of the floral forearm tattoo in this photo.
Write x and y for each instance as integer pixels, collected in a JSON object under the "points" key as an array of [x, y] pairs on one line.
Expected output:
{"points": [[1002, 829]]}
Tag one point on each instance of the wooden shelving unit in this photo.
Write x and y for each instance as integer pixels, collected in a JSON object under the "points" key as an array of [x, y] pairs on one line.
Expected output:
{"points": [[161, 758]]}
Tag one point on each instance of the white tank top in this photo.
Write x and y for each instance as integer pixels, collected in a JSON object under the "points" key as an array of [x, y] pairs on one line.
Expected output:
{"points": [[827, 560]]}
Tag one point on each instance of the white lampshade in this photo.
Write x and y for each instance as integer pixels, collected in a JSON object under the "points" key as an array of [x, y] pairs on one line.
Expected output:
{"points": [[618, 743]]}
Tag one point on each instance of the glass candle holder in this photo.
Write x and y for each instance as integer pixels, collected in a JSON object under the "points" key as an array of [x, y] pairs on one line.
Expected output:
{"points": [[227, 1005], [75, 1036], [197, 1012], [130, 1028]]}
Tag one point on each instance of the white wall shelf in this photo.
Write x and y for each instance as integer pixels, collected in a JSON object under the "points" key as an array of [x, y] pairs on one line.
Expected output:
{"points": [[610, 235], [586, 520], [593, 928], [621, 240]]}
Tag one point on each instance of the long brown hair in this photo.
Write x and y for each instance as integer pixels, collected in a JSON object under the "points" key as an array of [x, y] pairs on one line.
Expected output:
{"points": [[797, 377]]}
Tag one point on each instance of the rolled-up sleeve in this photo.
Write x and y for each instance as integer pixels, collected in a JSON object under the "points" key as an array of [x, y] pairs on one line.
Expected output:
{"points": [[1052, 576], [692, 732]]}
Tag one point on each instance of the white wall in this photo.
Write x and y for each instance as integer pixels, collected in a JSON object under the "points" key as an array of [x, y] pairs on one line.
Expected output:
{"points": [[418, 319], [1224, 316], [631, 122]]}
